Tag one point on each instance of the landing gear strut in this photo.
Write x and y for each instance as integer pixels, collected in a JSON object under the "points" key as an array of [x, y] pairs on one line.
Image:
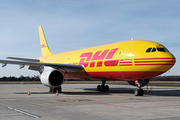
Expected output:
{"points": [[103, 87], [139, 91], [53, 90]]}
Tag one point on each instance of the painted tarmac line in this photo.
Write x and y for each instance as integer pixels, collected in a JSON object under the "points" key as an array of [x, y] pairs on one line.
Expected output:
{"points": [[23, 112]]}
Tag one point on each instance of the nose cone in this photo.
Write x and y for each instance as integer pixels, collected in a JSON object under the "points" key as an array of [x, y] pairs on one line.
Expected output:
{"points": [[172, 59], [169, 61]]}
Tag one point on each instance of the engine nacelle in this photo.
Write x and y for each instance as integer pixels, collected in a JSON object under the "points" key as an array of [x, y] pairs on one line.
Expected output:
{"points": [[52, 78], [143, 82]]}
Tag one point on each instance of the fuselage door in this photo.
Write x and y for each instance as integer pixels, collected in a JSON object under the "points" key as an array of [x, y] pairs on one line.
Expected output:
{"points": [[128, 53]]}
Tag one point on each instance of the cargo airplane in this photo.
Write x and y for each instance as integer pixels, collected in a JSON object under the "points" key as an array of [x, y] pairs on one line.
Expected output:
{"points": [[134, 61]]}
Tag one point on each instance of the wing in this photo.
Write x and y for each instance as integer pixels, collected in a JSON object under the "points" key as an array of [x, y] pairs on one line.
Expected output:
{"points": [[24, 59], [38, 65]]}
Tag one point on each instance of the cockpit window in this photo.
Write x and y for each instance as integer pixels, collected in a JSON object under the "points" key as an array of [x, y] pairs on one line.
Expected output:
{"points": [[166, 49], [148, 50], [161, 49], [153, 50]]}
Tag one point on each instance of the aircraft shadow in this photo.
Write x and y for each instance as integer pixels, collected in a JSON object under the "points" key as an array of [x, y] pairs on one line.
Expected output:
{"points": [[68, 93], [154, 92], [32, 93], [92, 91], [164, 93]]}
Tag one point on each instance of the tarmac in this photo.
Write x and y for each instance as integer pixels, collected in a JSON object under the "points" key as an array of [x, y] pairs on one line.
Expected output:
{"points": [[83, 102]]}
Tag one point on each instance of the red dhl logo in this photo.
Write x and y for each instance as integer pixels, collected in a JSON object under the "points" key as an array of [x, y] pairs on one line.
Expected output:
{"points": [[98, 57], [43, 45]]}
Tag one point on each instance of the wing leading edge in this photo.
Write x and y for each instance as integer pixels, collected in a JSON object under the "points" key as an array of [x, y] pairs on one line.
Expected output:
{"points": [[68, 68]]}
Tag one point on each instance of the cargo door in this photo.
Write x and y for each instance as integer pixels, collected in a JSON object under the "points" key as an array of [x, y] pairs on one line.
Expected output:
{"points": [[127, 57], [128, 52]]}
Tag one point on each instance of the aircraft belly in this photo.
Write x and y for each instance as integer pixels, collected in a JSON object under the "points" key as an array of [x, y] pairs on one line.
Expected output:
{"points": [[113, 75]]}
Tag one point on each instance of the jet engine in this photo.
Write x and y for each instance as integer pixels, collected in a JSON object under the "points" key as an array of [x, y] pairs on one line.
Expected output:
{"points": [[52, 78], [143, 82]]}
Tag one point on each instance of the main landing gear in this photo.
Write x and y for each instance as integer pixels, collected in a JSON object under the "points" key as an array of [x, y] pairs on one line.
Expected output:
{"points": [[139, 91], [54, 90], [103, 87]]}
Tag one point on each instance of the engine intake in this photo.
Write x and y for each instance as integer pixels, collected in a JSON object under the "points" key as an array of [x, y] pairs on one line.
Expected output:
{"points": [[52, 78]]}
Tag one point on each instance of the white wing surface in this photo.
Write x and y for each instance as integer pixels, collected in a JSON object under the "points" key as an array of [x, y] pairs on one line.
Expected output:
{"points": [[39, 65]]}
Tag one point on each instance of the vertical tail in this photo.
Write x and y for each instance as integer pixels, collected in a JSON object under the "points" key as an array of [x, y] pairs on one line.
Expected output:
{"points": [[44, 47]]}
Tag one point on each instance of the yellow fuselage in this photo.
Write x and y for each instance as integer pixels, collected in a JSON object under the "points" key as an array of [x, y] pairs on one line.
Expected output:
{"points": [[127, 60]]}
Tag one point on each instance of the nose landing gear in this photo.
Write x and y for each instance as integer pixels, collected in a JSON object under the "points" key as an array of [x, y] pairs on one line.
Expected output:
{"points": [[139, 91]]}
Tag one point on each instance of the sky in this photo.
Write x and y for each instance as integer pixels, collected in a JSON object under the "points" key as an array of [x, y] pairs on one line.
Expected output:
{"points": [[76, 24]]}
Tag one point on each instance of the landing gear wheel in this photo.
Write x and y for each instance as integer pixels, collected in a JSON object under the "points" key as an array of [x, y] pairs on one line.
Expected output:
{"points": [[138, 92], [53, 90], [98, 88], [106, 88], [102, 88], [141, 92]]}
